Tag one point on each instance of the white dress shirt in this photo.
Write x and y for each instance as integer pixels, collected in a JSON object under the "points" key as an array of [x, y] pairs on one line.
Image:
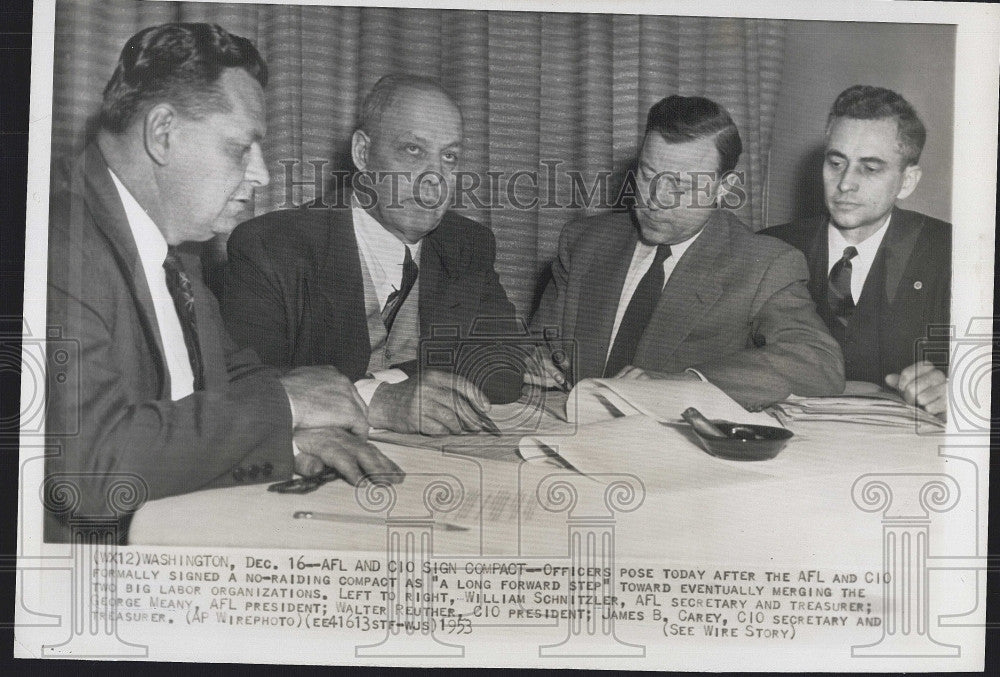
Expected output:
{"points": [[642, 259], [152, 249], [861, 264], [383, 255]]}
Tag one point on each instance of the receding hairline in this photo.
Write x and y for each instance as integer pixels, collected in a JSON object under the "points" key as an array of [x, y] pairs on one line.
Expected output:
{"points": [[398, 89]]}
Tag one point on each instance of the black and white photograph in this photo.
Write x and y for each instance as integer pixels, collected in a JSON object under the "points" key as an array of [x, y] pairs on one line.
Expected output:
{"points": [[598, 335]]}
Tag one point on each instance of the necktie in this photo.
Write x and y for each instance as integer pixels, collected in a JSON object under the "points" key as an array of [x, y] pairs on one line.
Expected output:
{"points": [[841, 300], [398, 296], [637, 315], [179, 286]]}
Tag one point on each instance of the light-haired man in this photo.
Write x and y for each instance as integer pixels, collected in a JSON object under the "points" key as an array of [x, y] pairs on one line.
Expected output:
{"points": [[360, 287]]}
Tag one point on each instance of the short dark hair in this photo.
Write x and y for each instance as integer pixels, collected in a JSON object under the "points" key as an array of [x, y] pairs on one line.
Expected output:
{"points": [[176, 62], [865, 102], [685, 118], [384, 92]]}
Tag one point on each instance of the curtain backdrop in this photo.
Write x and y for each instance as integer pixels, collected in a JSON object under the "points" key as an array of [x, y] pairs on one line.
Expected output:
{"points": [[535, 89]]}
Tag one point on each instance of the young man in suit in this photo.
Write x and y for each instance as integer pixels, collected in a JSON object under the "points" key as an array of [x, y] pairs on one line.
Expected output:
{"points": [[166, 402], [880, 275], [679, 287], [360, 287]]}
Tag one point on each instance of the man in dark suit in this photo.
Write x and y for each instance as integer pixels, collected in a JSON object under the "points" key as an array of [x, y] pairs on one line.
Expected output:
{"points": [[166, 403], [679, 287], [359, 287], [880, 275]]}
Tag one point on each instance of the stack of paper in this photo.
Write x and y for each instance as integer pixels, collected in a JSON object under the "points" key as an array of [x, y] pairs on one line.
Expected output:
{"points": [[661, 457], [859, 404], [658, 399], [621, 427]]}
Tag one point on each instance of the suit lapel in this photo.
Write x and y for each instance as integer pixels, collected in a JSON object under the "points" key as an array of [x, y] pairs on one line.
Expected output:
{"points": [[897, 248], [600, 291], [818, 259], [109, 217], [340, 289], [694, 286], [441, 285]]}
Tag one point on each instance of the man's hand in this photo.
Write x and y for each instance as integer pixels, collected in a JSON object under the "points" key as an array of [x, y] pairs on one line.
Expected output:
{"points": [[322, 397], [543, 372], [639, 374], [924, 385], [431, 403], [352, 457]]}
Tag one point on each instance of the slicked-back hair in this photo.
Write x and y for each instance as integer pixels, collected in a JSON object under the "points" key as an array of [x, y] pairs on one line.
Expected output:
{"points": [[177, 63], [384, 93], [685, 118], [866, 102]]}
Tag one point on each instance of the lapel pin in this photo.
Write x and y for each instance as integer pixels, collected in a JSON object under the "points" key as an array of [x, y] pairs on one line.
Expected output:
{"points": [[918, 285]]}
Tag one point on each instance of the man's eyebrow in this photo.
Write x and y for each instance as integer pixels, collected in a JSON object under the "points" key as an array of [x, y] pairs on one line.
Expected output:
{"points": [[413, 136], [871, 160]]}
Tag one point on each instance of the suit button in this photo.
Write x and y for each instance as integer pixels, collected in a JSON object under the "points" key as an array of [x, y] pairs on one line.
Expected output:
{"points": [[388, 355], [268, 469], [239, 474], [253, 471]]}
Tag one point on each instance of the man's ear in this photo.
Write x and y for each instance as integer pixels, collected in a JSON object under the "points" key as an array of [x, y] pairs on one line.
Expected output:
{"points": [[360, 143], [911, 177], [158, 125]]}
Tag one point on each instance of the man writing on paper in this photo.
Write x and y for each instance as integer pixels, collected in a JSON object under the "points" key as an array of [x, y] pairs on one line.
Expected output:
{"points": [[358, 288], [880, 275], [680, 288], [165, 398]]}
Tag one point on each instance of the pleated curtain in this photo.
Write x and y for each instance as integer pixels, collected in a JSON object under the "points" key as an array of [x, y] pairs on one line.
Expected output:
{"points": [[537, 90]]}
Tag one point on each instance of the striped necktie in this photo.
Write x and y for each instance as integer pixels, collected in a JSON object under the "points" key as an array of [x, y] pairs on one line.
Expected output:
{"points": [[179, 286]]}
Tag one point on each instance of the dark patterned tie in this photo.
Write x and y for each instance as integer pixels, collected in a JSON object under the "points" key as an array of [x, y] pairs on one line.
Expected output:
{"points": [[637, 315], [179, 286], [398, 296], [840, 297]]}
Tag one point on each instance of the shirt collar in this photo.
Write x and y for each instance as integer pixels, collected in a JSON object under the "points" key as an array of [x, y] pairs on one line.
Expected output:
{"points": [[376, 237], [149, 241], [677, 249], [866, 248]]}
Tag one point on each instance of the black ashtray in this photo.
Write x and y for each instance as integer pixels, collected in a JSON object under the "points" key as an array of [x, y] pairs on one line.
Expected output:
{"points": [[744, 441]]}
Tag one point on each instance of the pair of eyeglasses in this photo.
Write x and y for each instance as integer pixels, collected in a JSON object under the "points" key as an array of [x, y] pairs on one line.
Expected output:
{"points": [[304, 485]]}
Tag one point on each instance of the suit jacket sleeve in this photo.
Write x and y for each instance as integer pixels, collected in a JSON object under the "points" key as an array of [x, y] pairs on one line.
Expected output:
{"points": [[253, 307], [788, 351], [551, 307], [168, 447], [502, 386], [493, 301]]}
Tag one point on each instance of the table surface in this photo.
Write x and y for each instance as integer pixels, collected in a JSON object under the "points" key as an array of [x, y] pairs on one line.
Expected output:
{"points": [[685, 504]]}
